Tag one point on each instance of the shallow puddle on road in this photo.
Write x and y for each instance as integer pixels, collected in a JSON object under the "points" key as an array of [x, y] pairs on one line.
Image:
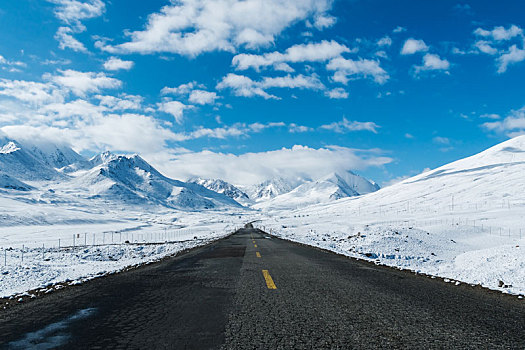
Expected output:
{"points": [[51, 336]]}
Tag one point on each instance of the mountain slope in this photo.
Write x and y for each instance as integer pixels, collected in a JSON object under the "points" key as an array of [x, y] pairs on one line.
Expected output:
{"points": [[19, 163]]}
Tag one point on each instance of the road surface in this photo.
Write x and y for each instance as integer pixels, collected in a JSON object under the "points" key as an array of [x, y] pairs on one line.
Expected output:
{"points": [[253, 291]]}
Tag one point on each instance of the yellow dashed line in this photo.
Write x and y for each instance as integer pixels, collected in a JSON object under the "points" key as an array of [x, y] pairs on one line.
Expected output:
{"points": [[269, 280], [258, 254]]}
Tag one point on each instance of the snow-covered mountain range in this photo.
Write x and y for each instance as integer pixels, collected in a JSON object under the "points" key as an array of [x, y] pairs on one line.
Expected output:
{"points": [[329, 188], [223, 187], [57, 173]]}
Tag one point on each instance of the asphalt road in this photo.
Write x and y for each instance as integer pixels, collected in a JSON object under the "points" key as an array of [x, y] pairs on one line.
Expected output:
{"points": [[253, 291]]}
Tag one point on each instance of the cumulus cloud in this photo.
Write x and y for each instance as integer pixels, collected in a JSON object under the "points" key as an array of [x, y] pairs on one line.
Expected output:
{"points": [[81, 83], [347, 68], [115, 63], [31, 92], [252, 168], [182, 89], [485, 47], [399, 29], [72, 13], [124, 102], [507, 43], [192, 27], [67, 41], [337, 93], [514, 55], [411, 46], [246, 87], [202, 97], [175, 108], [512, 125], [432, 62], [384, 41], [500, 33], [312, 52], [345, 126]]}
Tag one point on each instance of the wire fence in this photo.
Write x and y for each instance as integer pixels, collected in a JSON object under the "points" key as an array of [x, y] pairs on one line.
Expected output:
{"points": [[17, 253]]}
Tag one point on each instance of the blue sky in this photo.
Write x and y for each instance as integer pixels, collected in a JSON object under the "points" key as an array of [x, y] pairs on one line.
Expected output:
{"points": [[248, 90]]}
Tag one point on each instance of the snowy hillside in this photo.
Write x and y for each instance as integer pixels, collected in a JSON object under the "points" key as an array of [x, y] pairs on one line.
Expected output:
{"points": [[225, 188], [462, 221], [24, 164], [328, 188]]}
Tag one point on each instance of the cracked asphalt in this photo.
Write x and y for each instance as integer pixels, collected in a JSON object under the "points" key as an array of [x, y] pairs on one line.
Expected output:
{"points": [[217, 297]]}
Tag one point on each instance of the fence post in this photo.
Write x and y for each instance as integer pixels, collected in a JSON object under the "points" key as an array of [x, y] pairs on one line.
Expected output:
{"points": [[22, 253], [74, 242], [85, 239]]}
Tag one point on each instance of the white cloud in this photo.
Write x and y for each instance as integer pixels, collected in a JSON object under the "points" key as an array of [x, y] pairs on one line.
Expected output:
{"points": [[432, 62], [73, 12], [346, 125], [492, 116], [67, 41], [192, 27], [243, 86], [202, 97], [122, 103], [81, 83], [337, 93], [312, 52], [175, 108], [399, 29], [30, 92], [501, 41], [115, 63], [485, 47], [252, 168], [294, 128], [441, 140], [513, 124], [514, 55], [412, 46], [182, 89], [246, 87], [346, 68], [384, 41], [500, 33]]}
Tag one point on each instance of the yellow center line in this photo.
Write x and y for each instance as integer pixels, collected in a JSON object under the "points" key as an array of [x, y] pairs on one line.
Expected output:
{"points": [[269, 280], [258, 254]]}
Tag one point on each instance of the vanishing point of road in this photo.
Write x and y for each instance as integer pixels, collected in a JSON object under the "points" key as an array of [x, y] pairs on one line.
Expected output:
{"points": [[254, 291]]}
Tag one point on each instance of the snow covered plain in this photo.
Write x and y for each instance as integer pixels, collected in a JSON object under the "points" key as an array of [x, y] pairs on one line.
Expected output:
{"points": [[38, 257], [463, 221]]}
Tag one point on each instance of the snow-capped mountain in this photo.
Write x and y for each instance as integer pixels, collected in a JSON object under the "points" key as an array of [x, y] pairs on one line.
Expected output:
{"points": [[131, 179], [22, 164], [328, 188], [225, 188], [271, 188]]}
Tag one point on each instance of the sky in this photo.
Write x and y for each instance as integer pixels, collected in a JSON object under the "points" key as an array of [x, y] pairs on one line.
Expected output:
{"points": [[254, 89]]}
